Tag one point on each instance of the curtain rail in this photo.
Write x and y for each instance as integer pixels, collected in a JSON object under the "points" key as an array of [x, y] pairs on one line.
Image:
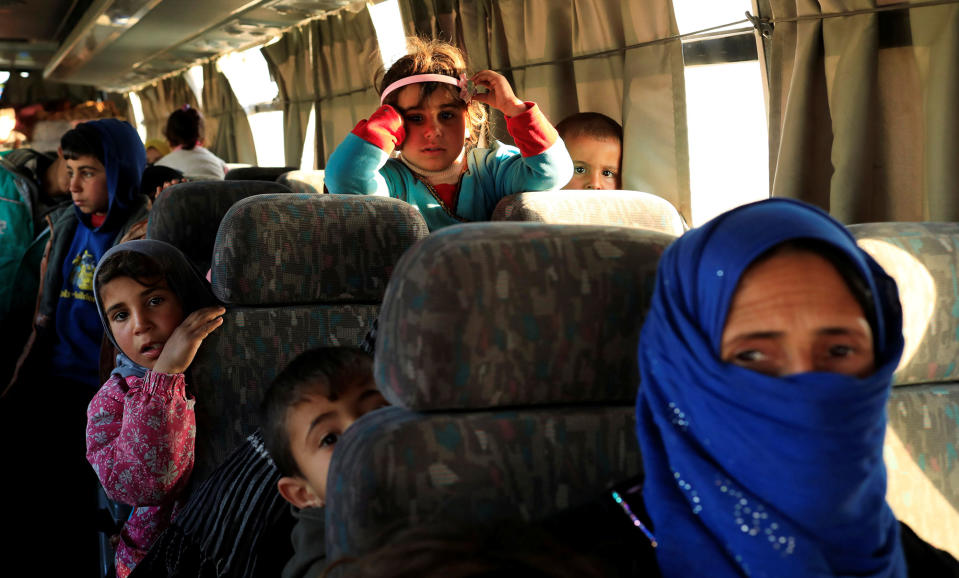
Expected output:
{"points": [[877, 9]]}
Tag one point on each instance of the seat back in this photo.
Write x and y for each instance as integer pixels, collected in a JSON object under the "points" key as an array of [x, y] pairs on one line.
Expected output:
{"points": [[923, 434], [187, 215], [257, 173], [509, 353], [623, 208], [303, 181], [295, 272]]}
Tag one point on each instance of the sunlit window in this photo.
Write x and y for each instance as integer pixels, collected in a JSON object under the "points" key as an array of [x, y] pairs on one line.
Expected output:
{"points": [[388, 24], [725, 108], [309, 143], [137, 107], [194, 77], [249, 76]]}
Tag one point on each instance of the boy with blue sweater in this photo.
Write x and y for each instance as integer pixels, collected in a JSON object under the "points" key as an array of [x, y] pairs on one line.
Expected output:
{"points": [[58, 372]]}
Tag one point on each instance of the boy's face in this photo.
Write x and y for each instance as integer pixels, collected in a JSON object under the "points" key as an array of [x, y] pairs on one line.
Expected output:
{"points": [[314, 426], [595, 163], [88, 185], [141, 318]]}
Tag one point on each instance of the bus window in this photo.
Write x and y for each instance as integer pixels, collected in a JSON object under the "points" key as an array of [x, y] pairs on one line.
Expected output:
{"points": [[250, 79], [725, 108]]}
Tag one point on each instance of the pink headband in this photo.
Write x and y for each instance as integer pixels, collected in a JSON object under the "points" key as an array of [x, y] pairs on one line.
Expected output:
{"points": [[467, 89]]}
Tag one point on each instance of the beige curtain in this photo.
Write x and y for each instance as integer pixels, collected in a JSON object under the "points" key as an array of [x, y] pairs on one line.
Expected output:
{"points": [[347, 57], [160, 99], [228, 133], [291, 62], [862, 116], [537, 44]]}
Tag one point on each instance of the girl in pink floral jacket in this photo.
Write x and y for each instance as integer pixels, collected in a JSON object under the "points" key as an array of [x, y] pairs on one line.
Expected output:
{"points": [[141, 426]]}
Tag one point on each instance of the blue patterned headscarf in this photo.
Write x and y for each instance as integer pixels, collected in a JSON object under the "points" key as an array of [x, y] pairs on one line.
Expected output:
{"points": [[752, 475], [183, 278]]}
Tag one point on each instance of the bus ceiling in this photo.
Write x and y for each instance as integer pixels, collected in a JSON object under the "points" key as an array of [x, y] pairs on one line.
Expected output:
{"points": [[115, 45]]}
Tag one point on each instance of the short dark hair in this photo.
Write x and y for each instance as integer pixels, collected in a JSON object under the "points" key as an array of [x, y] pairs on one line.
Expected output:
{"points": [[504, 548], [592, 124], [324, 371], [82, 141], [141, 268], [184, 127]]}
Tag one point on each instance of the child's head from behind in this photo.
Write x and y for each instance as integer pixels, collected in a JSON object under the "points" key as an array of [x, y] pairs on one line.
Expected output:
{"points": [[83, 154], [184, 128], [144, 290], [437, 121], [307, 407], [595, 143]]}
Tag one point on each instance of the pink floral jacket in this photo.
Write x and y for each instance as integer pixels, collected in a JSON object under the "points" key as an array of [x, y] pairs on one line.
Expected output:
{"points": [[140, 440]]}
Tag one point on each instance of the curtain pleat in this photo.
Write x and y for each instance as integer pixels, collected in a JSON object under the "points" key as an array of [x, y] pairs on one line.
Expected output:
{"points": [[347, 57], [161, 99], [291, 61], [655, 147], [228, 133], [862, 113]]}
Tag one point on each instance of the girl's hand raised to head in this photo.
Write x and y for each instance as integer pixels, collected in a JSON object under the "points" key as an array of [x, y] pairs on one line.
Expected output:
{"points": [[180, 349], [500, 94]]}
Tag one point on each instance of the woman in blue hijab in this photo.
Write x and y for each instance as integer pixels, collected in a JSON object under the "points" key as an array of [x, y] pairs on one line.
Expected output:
{"points": [[766, 362]]}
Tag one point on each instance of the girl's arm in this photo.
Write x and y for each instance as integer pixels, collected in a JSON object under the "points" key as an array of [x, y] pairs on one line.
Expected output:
{"points": [[140, 442], [354, 167], [544, 162]]}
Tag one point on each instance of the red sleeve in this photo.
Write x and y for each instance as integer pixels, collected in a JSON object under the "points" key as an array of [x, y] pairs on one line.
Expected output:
{"points": [[140, 440], [384, 129], [531, 131]]}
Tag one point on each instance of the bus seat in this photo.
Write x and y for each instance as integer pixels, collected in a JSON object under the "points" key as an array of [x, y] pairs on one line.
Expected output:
{"points": [[257, 173], [509, 353], [575, 207], [922, 438], [303, 181], [295, 272], [187, 215]]}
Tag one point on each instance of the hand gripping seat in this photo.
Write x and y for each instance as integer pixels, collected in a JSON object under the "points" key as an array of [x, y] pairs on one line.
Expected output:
{"points": [[303, 181], [295, 272], [922, 439], [573, 207], [187, 215], [509, 353]]}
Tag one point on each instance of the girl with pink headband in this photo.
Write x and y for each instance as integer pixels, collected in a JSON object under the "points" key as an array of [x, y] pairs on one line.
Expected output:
{"points": [[422, 145]]}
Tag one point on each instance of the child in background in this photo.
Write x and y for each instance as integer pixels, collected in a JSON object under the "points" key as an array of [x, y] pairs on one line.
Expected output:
{"points": [[306, 409], [156, 309], [595, 143], [431, 116], [184, 129], [156, 149]]}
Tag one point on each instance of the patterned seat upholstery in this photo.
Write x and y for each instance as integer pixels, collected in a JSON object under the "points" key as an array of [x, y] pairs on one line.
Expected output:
{"points": [[295, 272], [923, 435], [187, 215], [509, 353], [305, 182], [623, 208], [257, 173]]}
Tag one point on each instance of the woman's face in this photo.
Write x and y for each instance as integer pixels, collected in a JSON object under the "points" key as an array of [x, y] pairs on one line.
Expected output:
{"points": [[793, 313]]}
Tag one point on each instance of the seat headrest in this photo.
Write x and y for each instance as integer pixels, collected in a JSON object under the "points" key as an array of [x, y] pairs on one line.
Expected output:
{"points": [[517, 314], [187, 215], [923, 259], [589, 207], [303, 181], [294, 249]]}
